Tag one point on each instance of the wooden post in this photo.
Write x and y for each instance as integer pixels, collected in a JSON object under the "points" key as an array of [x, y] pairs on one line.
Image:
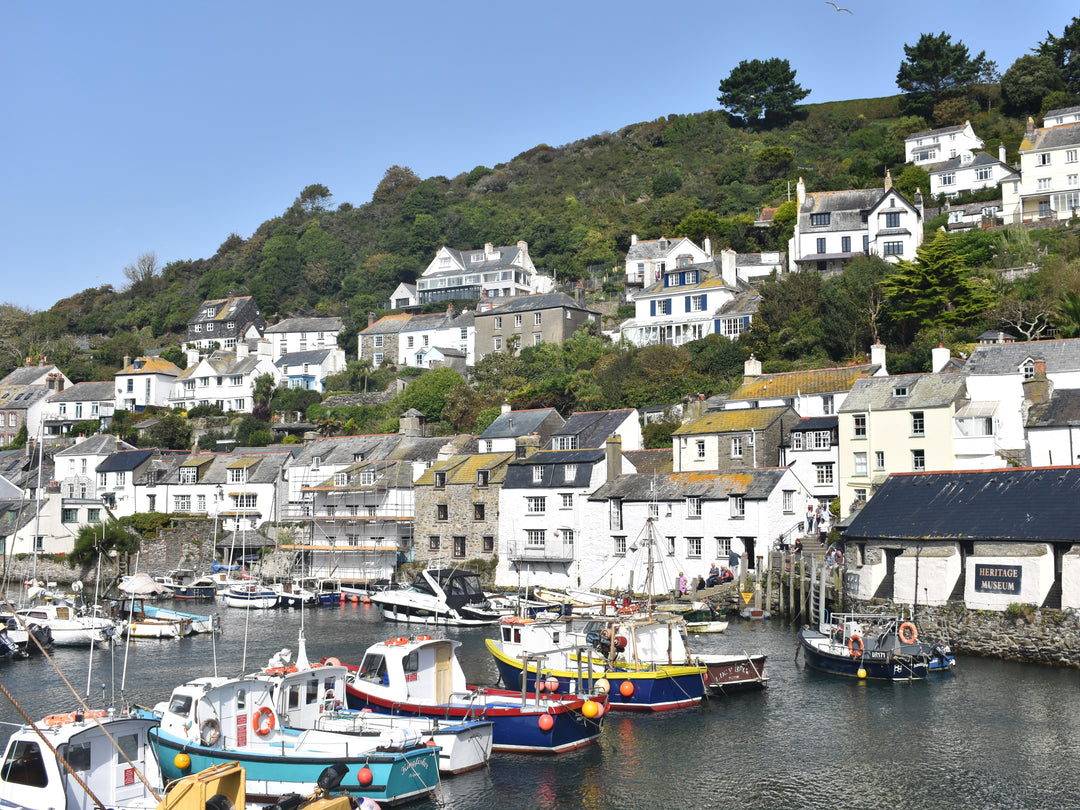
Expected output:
{"points": [[811, 613], [768, 581], [821, 597]]}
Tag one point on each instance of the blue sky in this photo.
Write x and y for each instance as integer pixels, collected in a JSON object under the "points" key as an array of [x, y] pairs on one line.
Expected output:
{"points": [[130, 127]]}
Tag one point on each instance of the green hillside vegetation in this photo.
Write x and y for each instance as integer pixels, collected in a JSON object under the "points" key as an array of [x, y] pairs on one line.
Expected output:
{"points": [[697, 175]]}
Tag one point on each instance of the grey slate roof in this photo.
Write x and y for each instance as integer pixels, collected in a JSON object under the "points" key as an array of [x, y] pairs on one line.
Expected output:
{"points": [[125, 461], [21, 397], [932, 132], [753, 484], [517, 423], [28, 375], [817, 423], [86, 392], [652, 248], [314, 358], [1006, 358], [105, 444], [593, 427], [978, 159], [1062, 111], [1009, 504], [651, 461], [1053, 138], [508, 257], [924, 391], [532, 303], [1062, 410], [305, 325], [519, 472]]}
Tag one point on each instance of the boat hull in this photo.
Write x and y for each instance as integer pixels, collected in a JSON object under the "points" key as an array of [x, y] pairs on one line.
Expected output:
{"points": [[256, 600], [396, 777], [654, 690], [825, 655], [419, 614], [728, 673]]}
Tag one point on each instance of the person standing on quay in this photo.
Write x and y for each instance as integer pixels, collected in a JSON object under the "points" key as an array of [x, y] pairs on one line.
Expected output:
{"points": [[810, 517]]}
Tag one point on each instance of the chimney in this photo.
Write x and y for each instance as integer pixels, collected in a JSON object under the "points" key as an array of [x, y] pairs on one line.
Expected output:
{"points": [[751, 368], [918, 202], [505, 407], [633, 239], [192, 356], [446, 451], [708, 247], [370, 318], [488, 249], [450, 313], [877, 357], [613, 449], [127, 360], [1038, 389], [1029, 132], [579, 294], [525, 446], [728, 271], [888, 179], [940, 357], [241, 349], [800, 193], [1001, 151]]}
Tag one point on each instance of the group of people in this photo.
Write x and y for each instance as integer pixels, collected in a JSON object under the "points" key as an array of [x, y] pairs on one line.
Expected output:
{"points": [[717, 576], [817, 518]]}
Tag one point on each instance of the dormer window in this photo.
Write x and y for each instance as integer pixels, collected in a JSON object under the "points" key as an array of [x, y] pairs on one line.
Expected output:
{"points": [[820, 219], [341, 479], [482, 477], [900, 391], [538, 474], [367, 478], [440, 480], [1028, 369]]}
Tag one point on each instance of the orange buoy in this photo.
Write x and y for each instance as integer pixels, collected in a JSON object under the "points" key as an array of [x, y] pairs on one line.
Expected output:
{"points": [[626, 689], [364, 776], [546, 722]]}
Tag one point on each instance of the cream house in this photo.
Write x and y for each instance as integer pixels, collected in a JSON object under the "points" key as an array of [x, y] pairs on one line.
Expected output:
{"points": [[1048, 186]]}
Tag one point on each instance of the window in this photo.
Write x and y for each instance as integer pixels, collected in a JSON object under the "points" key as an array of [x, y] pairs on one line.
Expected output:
{"points": [[181, 503], [517, 321], [860, 426], [822, 439], [738, 506], [538, 318], [568, 537], [121, 479], [1073, 181], [459, 546], [948, 179], [663, 307], [693, 507], [879, 459], [131, 385], [693, 547], [615, 514], [238, 475], [569, 471], [442, 512], [1028, 369], [866, 243], [94, 515], [1043, 184], [900, 391], [567, 500], [198, 327], [789, 501], [489, 542], [982, 173], [918, 423], [535, 505], [918, 460], [894, 248], [723, 547], [1043, 159], [209, 327], [482, 477], [464, 333], [860, 464], [697, 303], [440, 480], [845, 244], [892, 219], [797, 441], [823, 473], [699, 447], [821, 244], [496, 344], [377, 341], [534, 538], [860, 496], [433, 542], [537, 338], [736, 447], [409, 342], [69, 515], [538, 474], [498, 321], [619, 546], [819, 219], [244, 501], [564, 442], [200, 503], [103, 480]]}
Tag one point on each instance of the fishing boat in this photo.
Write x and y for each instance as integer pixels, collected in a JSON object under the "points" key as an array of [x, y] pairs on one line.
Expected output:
{"points": [[104, 773], [250, 594], [198, 622], [68, 624], [133, 620], [714, 626], [446, 596], [198, 588], [292, 594], [268, 727], [872, 645], [20, 639], [422, 676]]}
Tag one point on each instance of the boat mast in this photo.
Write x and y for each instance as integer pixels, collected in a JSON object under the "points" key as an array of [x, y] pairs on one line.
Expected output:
{"points": [[37, 502]]}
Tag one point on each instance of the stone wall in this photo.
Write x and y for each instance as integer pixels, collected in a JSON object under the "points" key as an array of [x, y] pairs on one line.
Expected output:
{"points": [[1025, 633]]}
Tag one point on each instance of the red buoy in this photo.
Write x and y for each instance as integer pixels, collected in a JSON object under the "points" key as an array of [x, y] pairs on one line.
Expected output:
{"points": [[546, 722], [365, 776], [626, 689]]}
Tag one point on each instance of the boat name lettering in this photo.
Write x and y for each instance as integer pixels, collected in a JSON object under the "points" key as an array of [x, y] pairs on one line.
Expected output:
{"points": [[410, 676], [997, 579]]}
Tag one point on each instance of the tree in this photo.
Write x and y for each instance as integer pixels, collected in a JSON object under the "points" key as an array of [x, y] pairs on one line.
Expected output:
{"points": [[759, 91], [1068, 314], [1065, 53], [853, 305], [395, 185], [1027, 82], [94, 540], [172, 431], [314, 198], [143, 269], [936, 68], [428, 393]]}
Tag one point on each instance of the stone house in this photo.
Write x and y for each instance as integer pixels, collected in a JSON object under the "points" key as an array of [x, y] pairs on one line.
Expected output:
{"points": [[745, 438], [529, 321]]}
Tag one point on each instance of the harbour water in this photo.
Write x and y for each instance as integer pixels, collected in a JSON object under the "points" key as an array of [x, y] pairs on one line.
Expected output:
{"points": [[992, 734]]}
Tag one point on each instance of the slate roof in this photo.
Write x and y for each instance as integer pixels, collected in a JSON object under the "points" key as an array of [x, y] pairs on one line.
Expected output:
{"points": [[102, 445], [737, 420], [263, 469], [305, 325], [818, 423], [1052, 138], [29, 375], [462, 469], [226, 309], [651, 462], [21, 397], [314, 358], [388, 324], [150, 365], [532, 303], [518, 423], [1006, 358], [1062, 111], [978, 159], [756, 484], [1062, 410], [709, 277], [656, 248], [363, 398], [125, 461], [931, 132], [593, 427], [508, 256], [224, 363], [924, 391], [388, 473], [519, 472], [796, 383], [86, 392], [1035, 503]]}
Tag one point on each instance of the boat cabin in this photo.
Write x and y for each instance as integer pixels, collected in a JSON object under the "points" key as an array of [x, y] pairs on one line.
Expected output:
{"points": [[420, 670]]}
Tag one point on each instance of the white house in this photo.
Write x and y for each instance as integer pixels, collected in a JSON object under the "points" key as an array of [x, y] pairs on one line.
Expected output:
{"points": [[970, 171], [223, 322], [593, 428], [143, 382], [309, 370], [502, 435], [682, 306], [404, 296], [835, 226], [1053, 428], [303, 334], [1048, 186], [939, 145], [751, 267], [1066, 115], [648, 259], [493, 272], [448, 330], [79, 403], [23, 394], [973, 215], [75, 467], [224, 379]]}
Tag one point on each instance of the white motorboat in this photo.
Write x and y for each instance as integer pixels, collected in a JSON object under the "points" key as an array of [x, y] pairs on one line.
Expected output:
{"points": [[250, 595], [447, 596], [68, 625]]}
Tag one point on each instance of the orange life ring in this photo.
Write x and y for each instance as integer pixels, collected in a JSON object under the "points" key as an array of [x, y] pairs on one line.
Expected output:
{"points": [[263, 728], [397, 642], [54, 720], [423, 638], [855, 645], [908, 633]]}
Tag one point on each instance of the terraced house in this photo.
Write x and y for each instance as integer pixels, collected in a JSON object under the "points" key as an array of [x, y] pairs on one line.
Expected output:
{"points": [[743, 438]]}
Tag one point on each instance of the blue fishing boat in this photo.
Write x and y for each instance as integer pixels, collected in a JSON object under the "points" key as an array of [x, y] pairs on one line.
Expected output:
{"points": [[272, 733]]}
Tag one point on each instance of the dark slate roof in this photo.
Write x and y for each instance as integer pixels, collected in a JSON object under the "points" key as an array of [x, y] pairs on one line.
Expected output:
{"points": [[755, 484], [532, 303], [86, 392], [1053, 138], [1010, 504], [977, 159], [314, 357], [817, 423], [593, 427], [305, 325], [125, 461], [519, 473], [651, 462], [21, 397], [226, 309], [517, 423], [97, 446], [28, 375], [1062, 410], [1062, 111], [924, 391], [1006, 358]]}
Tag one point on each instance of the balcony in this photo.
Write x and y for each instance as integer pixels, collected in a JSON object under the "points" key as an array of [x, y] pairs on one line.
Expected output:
{"points": [[553, 550]]}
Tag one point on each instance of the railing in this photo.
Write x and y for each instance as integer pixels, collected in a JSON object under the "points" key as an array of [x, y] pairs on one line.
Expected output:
{"points": [[550, 551]]}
